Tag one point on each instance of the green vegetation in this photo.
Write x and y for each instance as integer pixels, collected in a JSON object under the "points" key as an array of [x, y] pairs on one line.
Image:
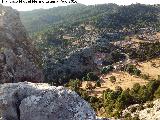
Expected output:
{"points": [[89, 86], [122, 99], [133, 16], [110, 16], [113, 79], [150, 105], [113, 102], [74, 85], [131, 69], [106, 69], [144, 76], [98, 84], [90, 77], [129, 117], [117, 56], [157, 93], [63, 16], [158, 77], [146, 51], [109, 21]]}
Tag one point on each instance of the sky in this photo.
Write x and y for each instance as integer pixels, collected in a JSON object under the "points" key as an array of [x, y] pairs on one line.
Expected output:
{"points": [[29, 6]]}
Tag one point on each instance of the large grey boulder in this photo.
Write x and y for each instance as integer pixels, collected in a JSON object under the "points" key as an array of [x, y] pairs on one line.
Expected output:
{"points": [[18, 58], [38, 101]]}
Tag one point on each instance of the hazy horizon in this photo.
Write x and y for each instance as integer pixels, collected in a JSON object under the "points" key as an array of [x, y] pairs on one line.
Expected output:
{"points": [[29, 7]]}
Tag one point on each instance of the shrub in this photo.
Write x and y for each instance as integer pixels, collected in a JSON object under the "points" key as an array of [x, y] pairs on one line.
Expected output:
{"points": [[136, 87], [93, 99], [92, 77], [157, 93], [98, 84], [131, 69], [153, 64], [74, 84], [137, 72], [117, 56], [116, 114], [118, 89], [127, 116], [153, 86], [143, 95], [89, 86], [83, 94], [140, 107], [133, 109], [112, 79], [148, 111], [136, 117], [84, 78], [124, 98], [144, 76], [150, 105]]}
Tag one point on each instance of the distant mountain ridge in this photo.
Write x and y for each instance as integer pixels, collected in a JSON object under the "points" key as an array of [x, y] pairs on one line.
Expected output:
{"points": [[104, 15], [36, 20]]}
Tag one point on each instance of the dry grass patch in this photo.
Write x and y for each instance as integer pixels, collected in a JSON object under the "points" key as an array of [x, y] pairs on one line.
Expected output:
{"points": [[158, 35], [151, 68], [123, 79]]}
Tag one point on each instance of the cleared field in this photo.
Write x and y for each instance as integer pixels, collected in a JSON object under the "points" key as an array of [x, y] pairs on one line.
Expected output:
{"points": [[123, 79], [151, 68]]}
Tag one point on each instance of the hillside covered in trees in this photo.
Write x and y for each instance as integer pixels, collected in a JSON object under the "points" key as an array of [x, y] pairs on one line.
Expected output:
{"points": [[102, 16], [61, 32]]}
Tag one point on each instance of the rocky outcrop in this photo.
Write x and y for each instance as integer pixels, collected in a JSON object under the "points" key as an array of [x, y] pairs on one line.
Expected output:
{"points": [[18, 58], [38, 101], [72, 66], [148, 111]]}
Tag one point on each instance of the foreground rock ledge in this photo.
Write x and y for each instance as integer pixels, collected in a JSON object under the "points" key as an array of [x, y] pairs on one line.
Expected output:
{"points": [[39, 101]]}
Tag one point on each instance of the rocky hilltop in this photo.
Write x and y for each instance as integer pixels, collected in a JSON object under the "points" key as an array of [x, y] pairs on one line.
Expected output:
{"points": [[18, 58], [38, 101]]}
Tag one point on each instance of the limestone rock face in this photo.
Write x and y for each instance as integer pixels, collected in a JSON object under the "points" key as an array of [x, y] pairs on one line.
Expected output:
{"points": [[18, 58], [37, 101]]}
